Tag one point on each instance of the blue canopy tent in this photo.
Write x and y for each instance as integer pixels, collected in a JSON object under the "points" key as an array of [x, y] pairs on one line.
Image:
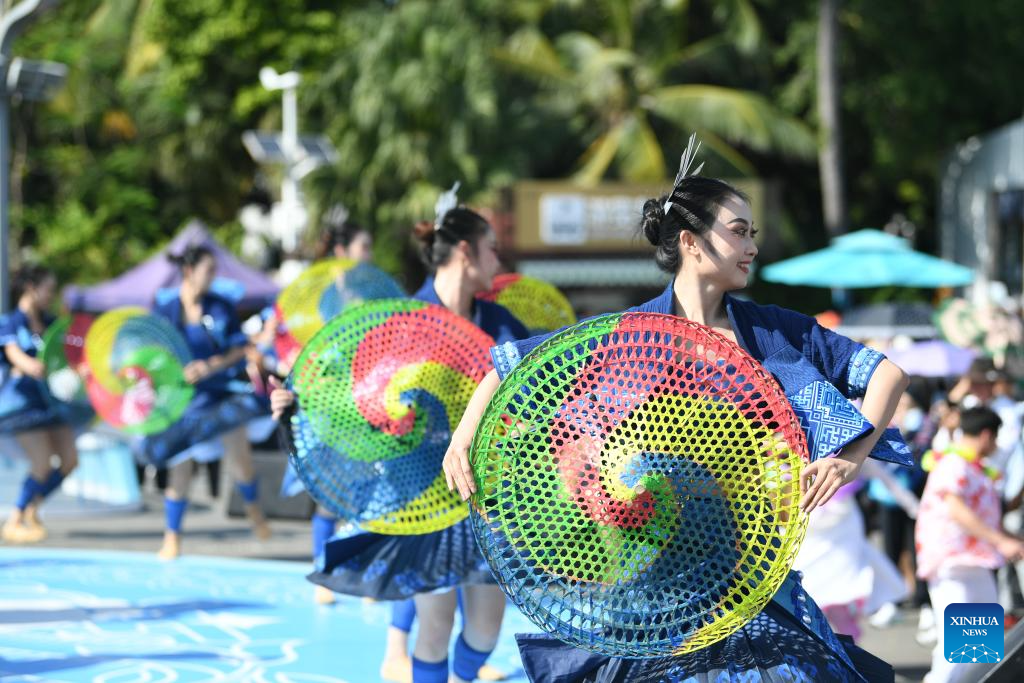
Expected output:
{"points": [[868, 258]]}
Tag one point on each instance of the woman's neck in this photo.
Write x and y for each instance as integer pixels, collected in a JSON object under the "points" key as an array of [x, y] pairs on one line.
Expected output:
{"points": [[698, 300], [28, 307], [189, 295], [455, 291]]}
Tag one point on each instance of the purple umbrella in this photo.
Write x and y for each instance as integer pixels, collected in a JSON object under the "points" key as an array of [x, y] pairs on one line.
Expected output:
{"points": [[932, 359]]}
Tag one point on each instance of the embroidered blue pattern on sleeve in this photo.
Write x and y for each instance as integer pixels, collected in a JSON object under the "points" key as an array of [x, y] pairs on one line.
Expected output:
{"points": [[862, 366], [505, 357], [828, 419]]}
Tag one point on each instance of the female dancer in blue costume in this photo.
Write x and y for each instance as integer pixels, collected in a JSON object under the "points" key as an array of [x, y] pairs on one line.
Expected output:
{"points": [[704, 236], [222, 403], [25, 410], [460, 249], [343, 240]]}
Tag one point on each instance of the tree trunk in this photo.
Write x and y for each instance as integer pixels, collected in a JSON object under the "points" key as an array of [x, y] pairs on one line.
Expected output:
{"points": [[830, 156]]}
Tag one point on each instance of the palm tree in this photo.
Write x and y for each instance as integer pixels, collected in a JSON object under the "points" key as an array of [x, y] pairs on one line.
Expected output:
{"points": [[830, 158], [619, 87]]}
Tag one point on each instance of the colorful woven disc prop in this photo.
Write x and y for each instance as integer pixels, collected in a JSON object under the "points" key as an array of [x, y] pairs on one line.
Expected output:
{"points": [[638, 486], [136, 370], [63, 354], [538, 305], [380, 390], [323, 291]]}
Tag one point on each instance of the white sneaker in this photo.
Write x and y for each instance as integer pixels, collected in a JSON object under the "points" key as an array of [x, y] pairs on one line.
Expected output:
{"points": [[927, 618], [926, 634], [927, 637], [884, 616]]}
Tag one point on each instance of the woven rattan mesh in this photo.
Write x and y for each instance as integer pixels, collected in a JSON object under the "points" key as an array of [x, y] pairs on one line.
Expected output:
{"points": [[380, 390], [537, 304], [637, 485], [321, 292], [135, 363]]}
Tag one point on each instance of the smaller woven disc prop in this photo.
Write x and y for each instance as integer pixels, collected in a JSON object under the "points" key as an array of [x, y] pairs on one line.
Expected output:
{"points": [[323, 291], [538, 305], [136, 370], [638, 486], [380, 390], [63, 354]]}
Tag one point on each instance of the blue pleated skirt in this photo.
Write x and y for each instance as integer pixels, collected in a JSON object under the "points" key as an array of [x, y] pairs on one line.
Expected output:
{"points": [[387, 567], [24, 406], [291, 485], [767, 649], [790, 641], [209, 416]]}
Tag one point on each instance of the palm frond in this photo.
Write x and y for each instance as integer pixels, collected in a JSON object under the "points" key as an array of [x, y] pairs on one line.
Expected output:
{"points": [[599, 155], [529, 51], [640, 158], [738, 116]]}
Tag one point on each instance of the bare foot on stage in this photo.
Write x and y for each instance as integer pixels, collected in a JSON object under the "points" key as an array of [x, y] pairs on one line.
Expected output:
{"points": [[323, 596], [171, 549], [32, 520], [260, 528], [17, 531], [489, 673], [397, 669]]}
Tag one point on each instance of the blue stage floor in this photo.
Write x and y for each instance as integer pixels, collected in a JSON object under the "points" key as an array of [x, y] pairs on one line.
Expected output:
{"points": [[118, 617]]}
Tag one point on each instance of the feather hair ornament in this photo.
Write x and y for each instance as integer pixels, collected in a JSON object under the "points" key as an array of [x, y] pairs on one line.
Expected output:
{"points": [[445, 203], [685, 161], [336, 215]]}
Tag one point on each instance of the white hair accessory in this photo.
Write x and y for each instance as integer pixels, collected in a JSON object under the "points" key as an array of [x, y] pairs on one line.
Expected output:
{"points": [[445, 203], [336, 215], [685, 161]]}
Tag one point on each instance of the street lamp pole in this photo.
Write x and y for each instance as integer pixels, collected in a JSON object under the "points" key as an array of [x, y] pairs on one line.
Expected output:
{"points": [[291, 203], [296, 155], [290, 183], [11, 25]]}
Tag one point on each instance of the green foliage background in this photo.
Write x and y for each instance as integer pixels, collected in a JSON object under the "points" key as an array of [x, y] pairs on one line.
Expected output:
{"points": [[418, 93]]}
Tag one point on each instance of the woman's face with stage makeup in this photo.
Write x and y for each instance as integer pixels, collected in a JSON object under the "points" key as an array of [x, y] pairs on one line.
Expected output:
{"points": [[201, 275], [43, 292], [727, 251], [359, 249], [483, 263]]}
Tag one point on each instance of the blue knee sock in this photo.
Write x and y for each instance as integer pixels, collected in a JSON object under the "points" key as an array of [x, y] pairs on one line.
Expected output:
{"points": [[403, 613], [425, 672], [52, 482], [323, 529], [174, 512], [467, 660], [250, 492], [30, 488]]}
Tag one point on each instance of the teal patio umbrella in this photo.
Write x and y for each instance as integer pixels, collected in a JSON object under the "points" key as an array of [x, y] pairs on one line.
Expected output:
{"points": [[868, 258]]}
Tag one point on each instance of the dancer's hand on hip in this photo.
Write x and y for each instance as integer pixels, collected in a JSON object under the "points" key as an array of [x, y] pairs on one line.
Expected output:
{"points": [[820, 480]]}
